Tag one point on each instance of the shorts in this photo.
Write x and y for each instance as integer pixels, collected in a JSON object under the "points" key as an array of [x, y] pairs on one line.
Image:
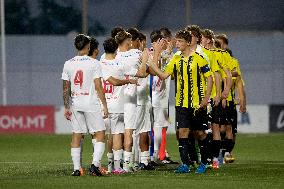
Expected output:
{"points": [[87, 122], [195, 121], [161, 117], [143, 119], [130, 110], [232, 116], [107, 124], [116, 123], [217, 115]]}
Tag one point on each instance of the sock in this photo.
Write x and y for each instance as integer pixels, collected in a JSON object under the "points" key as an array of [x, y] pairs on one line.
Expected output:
{"points": [[205, 147], [216, 144], [136, 148], [229, 145], [110, 157], [98, 153], [75, 154], [117, 156], [192, 150], [157, 141], [152, 142], [81, 152], [127, 157], [162, 153], [183, 150], [145, 157]]}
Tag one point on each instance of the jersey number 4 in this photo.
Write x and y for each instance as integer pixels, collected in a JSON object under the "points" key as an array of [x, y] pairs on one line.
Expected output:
{"points": [[78, 80]]}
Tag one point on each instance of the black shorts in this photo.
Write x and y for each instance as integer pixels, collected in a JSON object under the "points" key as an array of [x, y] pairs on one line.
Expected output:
{"points": [[187, 118], [217, 115], [232, 116]]}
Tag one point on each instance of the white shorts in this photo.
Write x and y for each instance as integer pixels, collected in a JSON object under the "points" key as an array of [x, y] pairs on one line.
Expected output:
{"points": [[130, 110], [161, 117], [107, 124], [87, 122], [116, 123], [143, 119]]}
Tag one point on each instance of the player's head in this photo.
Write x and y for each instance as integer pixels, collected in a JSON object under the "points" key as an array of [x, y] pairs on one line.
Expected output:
{"points": [[115, 31], [110, 46], [82, 42], [142, 41], [223, 39], [207, 37], [166, 33], [217, 43], [94, 50], [134, 37], [183, 39], [155, 36], [195, 32], [123, 38]]}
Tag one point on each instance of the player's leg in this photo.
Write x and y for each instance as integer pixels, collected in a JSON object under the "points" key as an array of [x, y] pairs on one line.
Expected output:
{"points": [[78, 129], [97, 128]]}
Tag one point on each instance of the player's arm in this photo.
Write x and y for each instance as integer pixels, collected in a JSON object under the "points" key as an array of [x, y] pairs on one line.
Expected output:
{"points": [[143, 68], [101, 95], [208, 74], [241, 94], [228, 83], [120, 82], [66, 96], [217, 83]]}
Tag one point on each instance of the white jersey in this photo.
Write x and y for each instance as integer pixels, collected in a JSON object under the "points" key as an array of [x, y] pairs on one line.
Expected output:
{"points": [[143, 91], [115, 94], [81, 71], [161, 88], [131, 59]]}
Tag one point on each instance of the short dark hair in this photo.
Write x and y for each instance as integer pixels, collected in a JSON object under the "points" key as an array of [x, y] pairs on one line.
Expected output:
{"points": [[80, 41], [217, 44], [155, 36], [209, 34], [110, 46], [195, 30], [142, 36], [184, 34], [121, 36], [116, 30], [134, 33], [94, 44], [223, 37], [166, 32]]}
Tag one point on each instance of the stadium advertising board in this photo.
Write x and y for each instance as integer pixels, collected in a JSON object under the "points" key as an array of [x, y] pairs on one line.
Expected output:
{"points": [[256, 120], [276, 118], [27, 119]]}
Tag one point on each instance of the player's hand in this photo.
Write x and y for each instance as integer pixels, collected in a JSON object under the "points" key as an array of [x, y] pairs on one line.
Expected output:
{"points": [[105, 110], [67, 114], [133, 81], [204, 103], [243, 108], [145, 56], [224, 103], [225, 94], [216, 100], [158, 46]]}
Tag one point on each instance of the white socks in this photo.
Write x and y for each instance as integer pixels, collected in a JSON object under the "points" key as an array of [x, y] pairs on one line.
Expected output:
{"points": [[145, 157], [127, 157], [75, 154], [117, 157], [99, 148]]}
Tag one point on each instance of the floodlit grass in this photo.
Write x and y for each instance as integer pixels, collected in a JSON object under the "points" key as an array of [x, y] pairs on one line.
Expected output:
{"points": [[43, 161]]}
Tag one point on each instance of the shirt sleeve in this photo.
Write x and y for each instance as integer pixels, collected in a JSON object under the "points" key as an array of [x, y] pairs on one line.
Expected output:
{"points": [[205, 69], [213, 63], [65, 75], [169, 68], [97, 70]]}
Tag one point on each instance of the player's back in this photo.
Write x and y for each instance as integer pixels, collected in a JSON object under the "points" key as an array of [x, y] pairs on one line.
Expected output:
{"points": [[82, 70]]}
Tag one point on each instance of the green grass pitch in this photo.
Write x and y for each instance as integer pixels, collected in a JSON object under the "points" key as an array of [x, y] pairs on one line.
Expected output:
{"points": [[43, 161]]}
